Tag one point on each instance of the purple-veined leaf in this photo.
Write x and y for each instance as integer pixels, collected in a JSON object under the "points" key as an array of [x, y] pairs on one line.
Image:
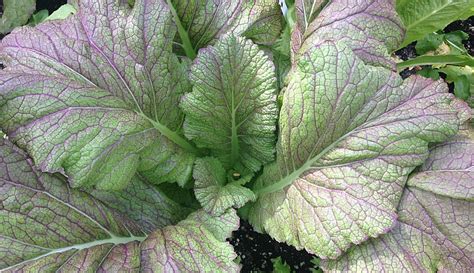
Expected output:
{"points": [[351, 131], [48, 226], [434, 231], [84, 95]]}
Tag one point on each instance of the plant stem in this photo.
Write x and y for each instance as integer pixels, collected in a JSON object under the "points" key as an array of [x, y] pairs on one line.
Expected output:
{"points": [[288, 180], [173, 136], [459, 60], [183, 34]]}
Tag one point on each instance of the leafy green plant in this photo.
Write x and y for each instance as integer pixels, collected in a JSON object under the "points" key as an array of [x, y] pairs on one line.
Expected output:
{"points": [[445, 53], [136, 131], [422, 17]]}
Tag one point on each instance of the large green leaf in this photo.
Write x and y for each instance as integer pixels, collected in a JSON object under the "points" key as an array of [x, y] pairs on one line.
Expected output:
{"points": [[434, 230], [422, 17], [350, 133], [46, 226], [16, 13], [84, 95], [232, 110]]}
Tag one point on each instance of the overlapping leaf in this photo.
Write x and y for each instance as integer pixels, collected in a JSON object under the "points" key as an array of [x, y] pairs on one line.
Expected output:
{"points": [[47, 226], [213, 191], [232, 110], [80, 95], [350, 133], [434, 231]]}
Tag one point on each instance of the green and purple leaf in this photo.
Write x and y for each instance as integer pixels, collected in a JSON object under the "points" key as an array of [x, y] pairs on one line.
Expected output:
{"points": [[84, 95], [434, 230], [351, 131], [48, 226]]}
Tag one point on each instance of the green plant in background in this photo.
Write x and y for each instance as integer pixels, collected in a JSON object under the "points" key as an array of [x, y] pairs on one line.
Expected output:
{"points": [[439, 52], [280, 266], [421, 17], [16, 13]]}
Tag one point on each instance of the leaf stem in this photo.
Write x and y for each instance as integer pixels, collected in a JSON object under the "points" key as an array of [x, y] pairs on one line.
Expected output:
{"points": [[288, 180], [459, 60], [173, 136], [183, 34]]}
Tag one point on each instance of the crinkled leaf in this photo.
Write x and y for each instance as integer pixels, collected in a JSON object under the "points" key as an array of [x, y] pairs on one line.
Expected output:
{"points": [[47, 226], [371, 29], [212, 190], [193, 245], [350, 133], [421, 17], [232, 110], [435, 232], [78, 94], [16, 13], [259, 20], [145, 204]]}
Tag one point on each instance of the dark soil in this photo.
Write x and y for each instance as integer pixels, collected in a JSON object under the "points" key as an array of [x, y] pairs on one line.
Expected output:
{"points": [[466, 26], [50, 5], [256, 251]]}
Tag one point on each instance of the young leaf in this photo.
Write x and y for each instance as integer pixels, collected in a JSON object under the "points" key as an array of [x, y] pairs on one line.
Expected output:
{"points": [[164, 161], [84, 95], [213, 191], [429, 43], [350, 133], [426, 16], [16, 13], [232, 110], [434, 231], [47, 226]]}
